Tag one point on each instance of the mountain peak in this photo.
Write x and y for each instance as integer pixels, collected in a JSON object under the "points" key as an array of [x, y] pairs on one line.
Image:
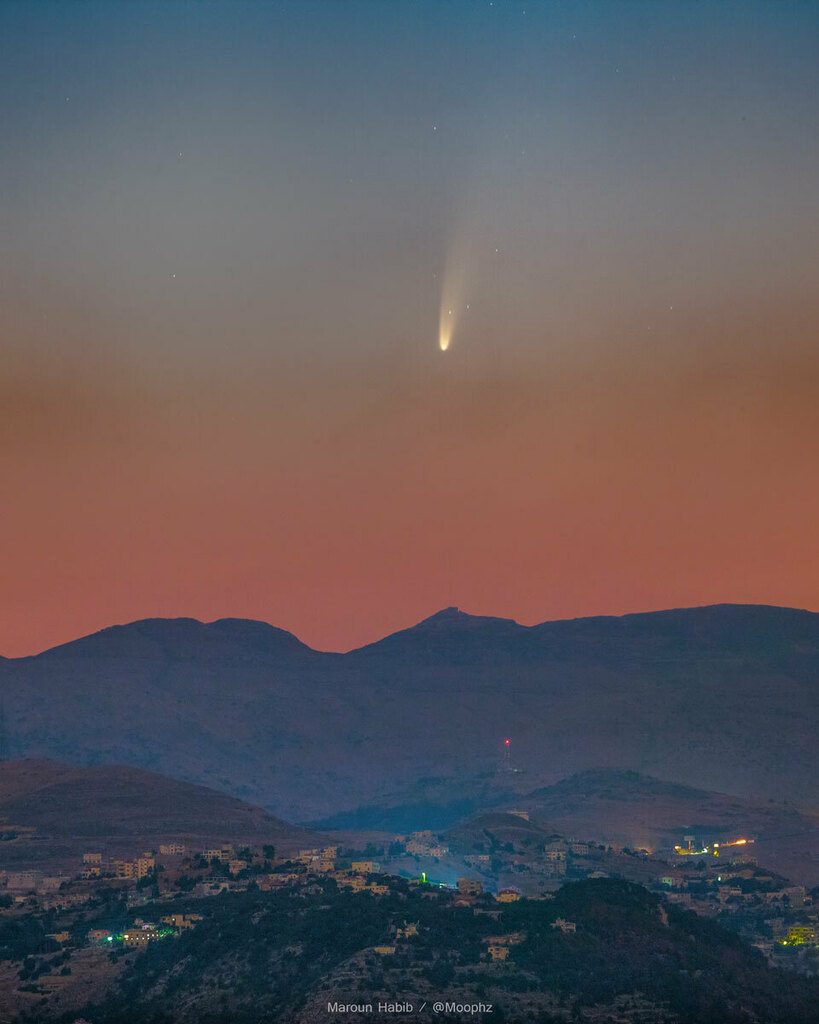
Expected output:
{"points": [[447, 632], [450, 617]]}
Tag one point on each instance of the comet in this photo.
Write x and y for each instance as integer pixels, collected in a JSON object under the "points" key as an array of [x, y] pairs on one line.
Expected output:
{"points": [[453, 291], [445, 330]]}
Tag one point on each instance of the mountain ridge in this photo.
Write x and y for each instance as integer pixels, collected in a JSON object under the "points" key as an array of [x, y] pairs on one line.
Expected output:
{"points": [[719, 697], [448, 616]]}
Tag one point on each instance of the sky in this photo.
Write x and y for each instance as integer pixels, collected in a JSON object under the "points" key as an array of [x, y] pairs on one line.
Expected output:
{"points": [[234, 234]]}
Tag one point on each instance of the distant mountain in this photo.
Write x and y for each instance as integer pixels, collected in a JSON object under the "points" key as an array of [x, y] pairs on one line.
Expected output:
{"points": [[720, 698], [54, 807]]}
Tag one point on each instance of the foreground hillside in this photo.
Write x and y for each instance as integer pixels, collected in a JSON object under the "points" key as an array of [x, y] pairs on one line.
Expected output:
{"points": [[599, 951], [721, 698], [47, 808]]}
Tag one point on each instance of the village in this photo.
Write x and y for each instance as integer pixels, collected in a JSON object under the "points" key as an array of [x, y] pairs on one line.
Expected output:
{"points": [[508, 861]]}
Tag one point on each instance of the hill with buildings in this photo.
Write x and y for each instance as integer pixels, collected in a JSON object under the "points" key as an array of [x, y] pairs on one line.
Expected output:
{"points": [[599, 950], [719, 698], [50, 810], [640, 811], [628, 809]]}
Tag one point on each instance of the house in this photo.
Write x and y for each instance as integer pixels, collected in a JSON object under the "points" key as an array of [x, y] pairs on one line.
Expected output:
{"points": [[98, 935], [384, 950], [800, 935], [407, 932], [278, 880], [137, 938], [59, 937], [683, 898], [424, 844], [92, 858], [181, 921], [507, 939], [366, 867], [212, 887], [796, 895], [508, 896], [171, 849], [567, 927], [145, 864], [469, 887], [498, 953], [24, 881], [62, 900]]}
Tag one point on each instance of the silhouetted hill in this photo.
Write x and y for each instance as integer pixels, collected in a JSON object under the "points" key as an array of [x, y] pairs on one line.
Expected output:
{"points": [[502, 827], [449, 635], [719, 698], [182, 638], [55, 804]]}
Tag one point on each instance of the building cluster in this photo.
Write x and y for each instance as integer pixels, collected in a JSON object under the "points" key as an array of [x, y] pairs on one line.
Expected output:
{"points": [[94, 865], [140, 933], [778, 917], [19, 884], [498, 946], [423, 844], [773, 914]]}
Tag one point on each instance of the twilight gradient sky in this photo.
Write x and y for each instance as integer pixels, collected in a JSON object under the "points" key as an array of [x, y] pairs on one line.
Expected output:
{"points": [[226, 233]]}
